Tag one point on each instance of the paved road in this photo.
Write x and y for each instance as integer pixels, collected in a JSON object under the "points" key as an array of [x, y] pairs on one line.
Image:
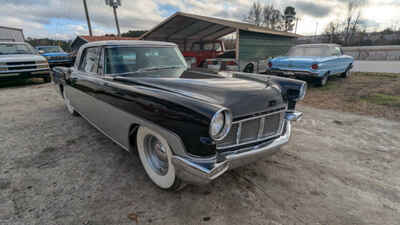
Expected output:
{"points": [[57, 169], [377, 66]]}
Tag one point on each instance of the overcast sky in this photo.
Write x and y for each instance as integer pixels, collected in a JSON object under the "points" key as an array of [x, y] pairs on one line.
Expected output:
{"points": [[64, 19]]}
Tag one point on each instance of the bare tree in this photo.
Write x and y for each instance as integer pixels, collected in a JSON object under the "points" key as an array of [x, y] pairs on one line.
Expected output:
{"points": [[352, 21], [271, 17], [255, 14], [333, 31], [289, 17]]}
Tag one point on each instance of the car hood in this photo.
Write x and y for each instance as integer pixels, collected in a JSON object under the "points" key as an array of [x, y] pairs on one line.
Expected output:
{"points": [[21, 58], [242, 97], [55, 54]]}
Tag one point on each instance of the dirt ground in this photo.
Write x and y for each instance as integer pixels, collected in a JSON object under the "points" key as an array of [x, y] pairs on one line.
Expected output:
{"points": [[374, 94], [56, 169]]}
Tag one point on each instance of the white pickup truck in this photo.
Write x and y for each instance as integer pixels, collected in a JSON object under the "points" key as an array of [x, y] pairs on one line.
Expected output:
{"points": [[19, 60]]}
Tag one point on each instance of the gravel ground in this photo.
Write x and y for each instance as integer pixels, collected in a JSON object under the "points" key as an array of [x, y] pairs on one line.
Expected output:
{"points": [[58, 170]]}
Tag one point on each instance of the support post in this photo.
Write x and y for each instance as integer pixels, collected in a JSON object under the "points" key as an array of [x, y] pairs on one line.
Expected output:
{"points": [[116, 21], [237, 48], [87, 18]]}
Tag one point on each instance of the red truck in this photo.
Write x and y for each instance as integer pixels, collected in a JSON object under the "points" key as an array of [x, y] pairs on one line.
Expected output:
{"points": [[201, 51]]}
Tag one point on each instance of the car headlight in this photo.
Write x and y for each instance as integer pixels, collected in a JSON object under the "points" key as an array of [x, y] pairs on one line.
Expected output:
{"points": [[221, 124], [42, 64], [3, 66]]}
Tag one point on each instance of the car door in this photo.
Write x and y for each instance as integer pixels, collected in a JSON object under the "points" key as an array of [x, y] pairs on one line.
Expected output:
{"points": [[88, 83], [341, 60]]}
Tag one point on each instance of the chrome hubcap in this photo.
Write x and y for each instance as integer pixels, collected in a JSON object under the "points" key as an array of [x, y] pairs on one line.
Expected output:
{"points": [[156, 154]]}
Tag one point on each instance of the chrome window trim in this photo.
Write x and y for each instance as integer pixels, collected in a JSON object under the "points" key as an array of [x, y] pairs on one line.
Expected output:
{"points": [[258, 138]]}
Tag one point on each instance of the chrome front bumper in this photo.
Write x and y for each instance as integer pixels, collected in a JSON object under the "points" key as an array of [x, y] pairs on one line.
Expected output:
{"points": [[294, 73], [204, 171]]}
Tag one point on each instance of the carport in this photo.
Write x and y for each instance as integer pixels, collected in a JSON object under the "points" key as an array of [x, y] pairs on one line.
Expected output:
{"points": [[253, 43]]}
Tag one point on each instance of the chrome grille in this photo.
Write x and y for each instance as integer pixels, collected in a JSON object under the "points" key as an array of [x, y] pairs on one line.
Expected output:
{"points": [[254, 129], [249, 130]]}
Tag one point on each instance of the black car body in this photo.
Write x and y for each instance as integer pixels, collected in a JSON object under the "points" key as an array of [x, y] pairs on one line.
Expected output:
{"points": [[181, 107]]}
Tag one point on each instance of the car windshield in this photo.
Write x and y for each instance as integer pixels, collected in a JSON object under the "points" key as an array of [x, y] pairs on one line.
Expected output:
{"points": [[131, 60], [309, 51], [11, 49], [50, 49]]}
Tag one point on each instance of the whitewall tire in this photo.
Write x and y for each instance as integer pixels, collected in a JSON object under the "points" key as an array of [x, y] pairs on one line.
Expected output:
{"points": [[156, 157]]}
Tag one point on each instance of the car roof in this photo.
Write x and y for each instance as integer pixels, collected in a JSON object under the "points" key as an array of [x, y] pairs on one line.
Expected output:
{"points": [[128, 43], [11, 42], [44, 46], [318, 45]]}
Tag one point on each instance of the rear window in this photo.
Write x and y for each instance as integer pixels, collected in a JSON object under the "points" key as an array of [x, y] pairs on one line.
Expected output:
{"points": [[228, 55], [320, 51]]}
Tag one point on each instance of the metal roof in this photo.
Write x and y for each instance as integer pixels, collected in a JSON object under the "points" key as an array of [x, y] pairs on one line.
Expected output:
{"points": [[11, 28], [319, 45], [105, 38], [185, 26], [128, 43]]}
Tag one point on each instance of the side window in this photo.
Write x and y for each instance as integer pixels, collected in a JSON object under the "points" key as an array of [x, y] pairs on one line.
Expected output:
{"points": [[218, 47], [337, 51], [208, 47], [196, 47], [90, 60]]}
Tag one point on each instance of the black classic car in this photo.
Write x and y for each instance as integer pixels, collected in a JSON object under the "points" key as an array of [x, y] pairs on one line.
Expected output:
{"points": [[188, 126]]}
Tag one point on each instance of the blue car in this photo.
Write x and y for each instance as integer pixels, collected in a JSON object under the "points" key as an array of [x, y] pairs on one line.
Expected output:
{"points": [[55, 55], [317, 61]]}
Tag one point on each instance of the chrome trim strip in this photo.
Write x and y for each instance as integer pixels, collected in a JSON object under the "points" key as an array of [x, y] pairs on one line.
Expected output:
{"points": [[294, 116], [21, 71], [261, 116], [23, 65], [261, 128], [238, 134]]}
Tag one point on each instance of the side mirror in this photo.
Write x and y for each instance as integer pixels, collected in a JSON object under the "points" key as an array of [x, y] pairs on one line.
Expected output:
{"points": [[41, 52]]}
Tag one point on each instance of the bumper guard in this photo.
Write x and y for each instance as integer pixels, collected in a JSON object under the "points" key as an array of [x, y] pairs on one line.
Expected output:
{"points": [[198, 172]]}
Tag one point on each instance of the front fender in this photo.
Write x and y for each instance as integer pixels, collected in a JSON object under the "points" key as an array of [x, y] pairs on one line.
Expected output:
{"points": [[186, 117]]}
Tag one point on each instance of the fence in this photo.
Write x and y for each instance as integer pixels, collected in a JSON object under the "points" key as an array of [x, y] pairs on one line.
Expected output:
{"points": [[375, 53]]}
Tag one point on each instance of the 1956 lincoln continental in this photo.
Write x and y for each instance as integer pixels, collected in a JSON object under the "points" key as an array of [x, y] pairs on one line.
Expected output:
{"points": [[187, 126]]}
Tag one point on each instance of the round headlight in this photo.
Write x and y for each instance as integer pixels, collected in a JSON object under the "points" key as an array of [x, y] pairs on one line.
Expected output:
{"points": [[220, 124]]}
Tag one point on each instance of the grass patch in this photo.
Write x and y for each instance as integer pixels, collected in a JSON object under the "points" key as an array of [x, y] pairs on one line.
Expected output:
{"points": [[385, 75], [382, 99]]}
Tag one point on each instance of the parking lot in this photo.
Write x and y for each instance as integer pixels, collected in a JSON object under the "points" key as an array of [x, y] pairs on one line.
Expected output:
{"points": [[340, 168]]}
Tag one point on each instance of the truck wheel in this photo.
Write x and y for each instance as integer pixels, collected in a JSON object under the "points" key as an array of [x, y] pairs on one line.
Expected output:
{"points": [[156, 157], [47, 79], [323, 80], [67, 103], [249, 68], [346, 74]]}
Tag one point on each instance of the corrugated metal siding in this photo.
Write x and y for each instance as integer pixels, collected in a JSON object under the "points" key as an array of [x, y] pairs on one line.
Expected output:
{"points": [[262, 46], [7, 34]]}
